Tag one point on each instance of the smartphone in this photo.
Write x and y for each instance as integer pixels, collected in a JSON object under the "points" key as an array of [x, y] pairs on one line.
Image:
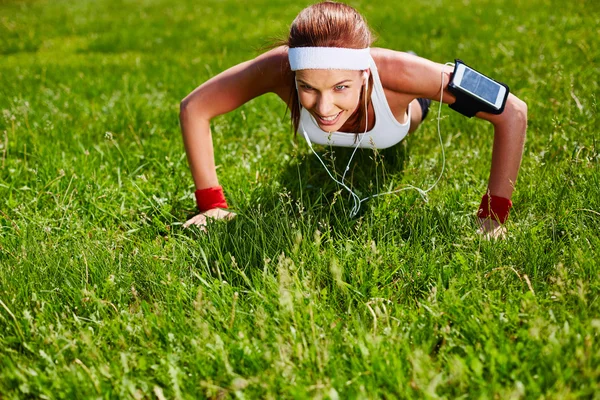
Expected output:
{"points": [[479, 86]]}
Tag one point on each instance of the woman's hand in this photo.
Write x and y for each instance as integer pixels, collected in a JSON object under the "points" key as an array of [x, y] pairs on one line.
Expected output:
{"points": [[491, 229], [202, 218]]}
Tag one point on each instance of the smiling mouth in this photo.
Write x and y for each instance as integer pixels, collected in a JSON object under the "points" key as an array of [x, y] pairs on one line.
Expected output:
{"points": [[332, 120]]}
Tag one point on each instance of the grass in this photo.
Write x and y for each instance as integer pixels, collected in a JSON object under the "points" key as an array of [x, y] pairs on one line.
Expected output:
{"points": [[103, 294]]}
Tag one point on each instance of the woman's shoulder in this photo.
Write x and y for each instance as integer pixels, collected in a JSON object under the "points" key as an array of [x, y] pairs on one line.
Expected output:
{"points": [[387, 58], [275, 67], [274, 61], [398, 69]]}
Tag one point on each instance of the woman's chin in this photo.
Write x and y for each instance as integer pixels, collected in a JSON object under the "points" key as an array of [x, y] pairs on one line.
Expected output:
{"points": [[331, 127]]}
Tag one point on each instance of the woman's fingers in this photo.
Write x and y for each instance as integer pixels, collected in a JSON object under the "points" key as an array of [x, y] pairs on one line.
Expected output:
{"points": [[199, 220], [491, 229], [202, 219], [218, 213]]}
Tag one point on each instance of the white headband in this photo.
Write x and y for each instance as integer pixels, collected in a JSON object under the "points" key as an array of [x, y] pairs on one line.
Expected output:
{"points": [[328, 58]]}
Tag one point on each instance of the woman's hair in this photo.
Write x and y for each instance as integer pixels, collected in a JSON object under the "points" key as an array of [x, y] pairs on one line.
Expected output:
{"points": [[329, 24]]}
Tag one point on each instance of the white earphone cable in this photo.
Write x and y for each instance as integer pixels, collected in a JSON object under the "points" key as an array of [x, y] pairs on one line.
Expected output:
{"points": [[356, 199]]}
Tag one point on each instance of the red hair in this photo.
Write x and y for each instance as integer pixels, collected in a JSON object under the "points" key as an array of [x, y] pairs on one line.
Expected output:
{"points": [[329, 24]]}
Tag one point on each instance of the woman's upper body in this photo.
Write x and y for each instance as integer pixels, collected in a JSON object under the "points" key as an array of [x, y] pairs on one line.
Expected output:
{"points": [[385, 128], [403, 76], [334, 99]]}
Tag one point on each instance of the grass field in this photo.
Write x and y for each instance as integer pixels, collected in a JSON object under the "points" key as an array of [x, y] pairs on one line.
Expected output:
{"points": [[104, 294]]}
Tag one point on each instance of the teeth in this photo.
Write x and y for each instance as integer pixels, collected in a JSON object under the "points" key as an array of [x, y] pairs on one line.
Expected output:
{"points": [[330, 118]]}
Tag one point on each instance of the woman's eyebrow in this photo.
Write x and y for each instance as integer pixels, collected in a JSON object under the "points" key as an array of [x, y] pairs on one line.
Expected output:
{"points": [[344, 81], [337, 84]]}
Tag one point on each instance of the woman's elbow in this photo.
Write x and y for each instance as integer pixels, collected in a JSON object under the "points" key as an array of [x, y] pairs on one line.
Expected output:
{"points": [[185, 104], [514, 115], [520, 111], [516, 111], [196, 105], [190, 106]]}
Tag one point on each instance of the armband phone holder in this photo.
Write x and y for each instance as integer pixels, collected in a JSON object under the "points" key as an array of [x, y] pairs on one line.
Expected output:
{"points": [[468, 101]]}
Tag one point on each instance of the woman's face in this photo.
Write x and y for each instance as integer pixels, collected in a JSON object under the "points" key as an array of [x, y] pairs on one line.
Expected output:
{"points": [[331, 96]]}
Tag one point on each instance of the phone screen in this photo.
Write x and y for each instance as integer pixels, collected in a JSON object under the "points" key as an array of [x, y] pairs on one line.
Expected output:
{"points": [[480, 85]]}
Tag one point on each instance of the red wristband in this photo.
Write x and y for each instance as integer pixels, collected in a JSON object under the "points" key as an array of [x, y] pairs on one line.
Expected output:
{"points": [[210, 198], [494, 207]]}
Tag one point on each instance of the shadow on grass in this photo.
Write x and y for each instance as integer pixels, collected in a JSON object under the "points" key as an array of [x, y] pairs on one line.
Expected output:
{"points": [[370, 172]]}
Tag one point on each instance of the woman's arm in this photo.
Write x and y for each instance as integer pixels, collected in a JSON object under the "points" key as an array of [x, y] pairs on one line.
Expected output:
{"points": [[509, 139], [423, 78], [219, 95]]}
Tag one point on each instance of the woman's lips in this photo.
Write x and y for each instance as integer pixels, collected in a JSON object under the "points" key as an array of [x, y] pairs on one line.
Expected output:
{"points": [[329, 122]]}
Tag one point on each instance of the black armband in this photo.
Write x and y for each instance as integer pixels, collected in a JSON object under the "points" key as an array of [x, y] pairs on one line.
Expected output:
{"points": [[476, 92]]}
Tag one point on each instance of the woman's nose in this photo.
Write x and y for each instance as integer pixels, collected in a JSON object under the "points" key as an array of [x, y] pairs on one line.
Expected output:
{"points": [[324, 106]]}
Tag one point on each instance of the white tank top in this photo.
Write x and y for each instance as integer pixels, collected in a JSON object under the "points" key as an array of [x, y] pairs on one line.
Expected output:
{"points": [[386, 132]]}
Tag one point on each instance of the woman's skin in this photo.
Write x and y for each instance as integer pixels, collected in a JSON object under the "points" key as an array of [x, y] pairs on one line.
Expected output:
{"points": [[335, 93]]}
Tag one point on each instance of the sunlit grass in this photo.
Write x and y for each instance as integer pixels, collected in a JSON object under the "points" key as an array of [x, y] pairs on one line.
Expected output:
{"points": [[103, 294]]}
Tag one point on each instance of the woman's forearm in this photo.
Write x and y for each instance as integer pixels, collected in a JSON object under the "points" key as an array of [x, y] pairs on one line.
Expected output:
{"points": [[197, 140], [509, 139]]}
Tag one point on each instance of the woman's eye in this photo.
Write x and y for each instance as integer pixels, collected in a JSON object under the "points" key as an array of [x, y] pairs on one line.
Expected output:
{"points": [[341, 87], [306, 87]]}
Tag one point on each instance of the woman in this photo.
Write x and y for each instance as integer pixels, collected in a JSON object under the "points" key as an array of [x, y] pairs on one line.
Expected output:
{"points": [[336, 85]]}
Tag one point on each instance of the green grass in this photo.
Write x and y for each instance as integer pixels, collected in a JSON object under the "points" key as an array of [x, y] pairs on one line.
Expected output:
{"points": [[103, 294]]}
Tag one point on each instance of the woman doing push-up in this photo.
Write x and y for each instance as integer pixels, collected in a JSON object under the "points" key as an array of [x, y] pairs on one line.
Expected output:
{"points": [[343, 92]]}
